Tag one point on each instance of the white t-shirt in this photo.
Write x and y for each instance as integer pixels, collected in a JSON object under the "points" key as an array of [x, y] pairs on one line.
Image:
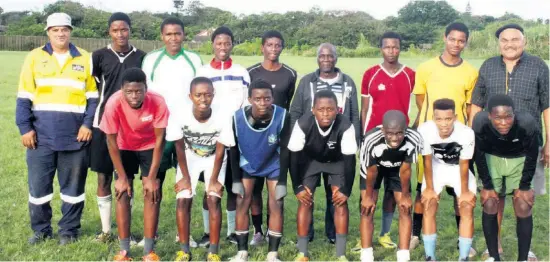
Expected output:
{"points": [[171, 76], [61, 58], [458, 146], [200, 138]]}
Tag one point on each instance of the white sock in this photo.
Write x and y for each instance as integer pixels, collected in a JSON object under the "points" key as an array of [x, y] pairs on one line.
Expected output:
{"points": [[230, 222], [206, 221], [403, 255], [367, 254], [104, 204]]}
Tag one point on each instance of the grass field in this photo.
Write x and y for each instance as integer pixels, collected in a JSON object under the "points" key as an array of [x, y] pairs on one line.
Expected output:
{"points": [[15, 227]]}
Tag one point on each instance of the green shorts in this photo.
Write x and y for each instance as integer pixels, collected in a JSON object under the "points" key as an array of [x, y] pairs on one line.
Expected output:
{"points": [[169, 158], [505, 173]]}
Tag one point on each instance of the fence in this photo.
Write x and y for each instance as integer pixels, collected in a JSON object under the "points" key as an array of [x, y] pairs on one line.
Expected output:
{"points": [[27, 43]]}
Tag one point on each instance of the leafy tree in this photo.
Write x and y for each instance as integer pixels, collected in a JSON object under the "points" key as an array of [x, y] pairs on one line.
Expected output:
{"points": [[438, 13]]}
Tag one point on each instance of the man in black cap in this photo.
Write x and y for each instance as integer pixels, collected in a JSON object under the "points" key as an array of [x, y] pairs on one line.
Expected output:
{"points": [[524, 78]]}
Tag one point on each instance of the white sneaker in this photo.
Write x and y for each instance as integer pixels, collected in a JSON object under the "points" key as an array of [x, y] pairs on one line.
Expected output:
{"points": [[366, 256], [472, 253], [192, 242], [257, 239], [142, 242], [415, 241], [490, 259], [241, 256], [273, 257], [531, 256]]}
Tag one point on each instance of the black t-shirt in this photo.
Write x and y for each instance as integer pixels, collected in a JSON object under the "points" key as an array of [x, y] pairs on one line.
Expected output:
{"points": [[108, 66], [375, 151], [521, 141], [283, 82]]}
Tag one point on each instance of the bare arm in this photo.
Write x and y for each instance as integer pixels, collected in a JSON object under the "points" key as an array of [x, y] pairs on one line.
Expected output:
{"points": [[405, 176], [428, 173], [218, 160], [474, 109], [182, 159], [114, 153], [464, 165], [157, 152], [365, 103], [419, 102]]}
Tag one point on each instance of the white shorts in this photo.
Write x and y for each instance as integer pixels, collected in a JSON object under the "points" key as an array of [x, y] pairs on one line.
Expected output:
{"points": [[196, 166], [449, 176]]}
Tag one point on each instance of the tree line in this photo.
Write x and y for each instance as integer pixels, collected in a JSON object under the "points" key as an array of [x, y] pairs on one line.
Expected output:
{"points": [[356, 33]]}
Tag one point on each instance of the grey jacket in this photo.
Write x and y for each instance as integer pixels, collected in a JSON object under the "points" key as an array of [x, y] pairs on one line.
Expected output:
{"points": [[344, 89]]}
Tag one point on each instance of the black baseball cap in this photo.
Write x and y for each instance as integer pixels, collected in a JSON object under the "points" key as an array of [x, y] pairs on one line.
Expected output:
{"points": [[508, 26]]}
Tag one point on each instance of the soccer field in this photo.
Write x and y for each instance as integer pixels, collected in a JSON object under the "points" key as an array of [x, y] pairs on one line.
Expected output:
{"points": [[15, 226]]}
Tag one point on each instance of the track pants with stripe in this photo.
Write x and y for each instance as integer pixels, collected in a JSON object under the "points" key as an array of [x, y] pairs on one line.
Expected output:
{"points": [[72, 168]]}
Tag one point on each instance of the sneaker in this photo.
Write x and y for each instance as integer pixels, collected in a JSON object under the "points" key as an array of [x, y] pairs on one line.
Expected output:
{"points": [[331, 241], [386, 241], [273, 256], [342, 259], [204, 241], [192, 242], [490, 259], [133, 241], [485, 254], [182, 256], [366, 257], [301, 257], [142, 242], [65, 240], [357, 248], [213, 258], [241, 256], [257, 239], [151, 257], [415, 242], [38, 237], [232, 238], [531, 256], [122, 256], [103, 237], [472, 253], [429, 259]]}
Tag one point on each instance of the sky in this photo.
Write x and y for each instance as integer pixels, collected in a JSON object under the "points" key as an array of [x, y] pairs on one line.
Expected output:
{"points": [[379, 9]]}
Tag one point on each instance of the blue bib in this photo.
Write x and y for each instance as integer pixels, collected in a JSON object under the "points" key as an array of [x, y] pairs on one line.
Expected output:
{"points": [[259, 148]]}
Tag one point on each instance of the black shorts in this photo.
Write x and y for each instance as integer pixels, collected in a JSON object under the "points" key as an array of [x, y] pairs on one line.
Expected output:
{"points": [[133, 161], [392, 181], [313, 181], [100, 160]]}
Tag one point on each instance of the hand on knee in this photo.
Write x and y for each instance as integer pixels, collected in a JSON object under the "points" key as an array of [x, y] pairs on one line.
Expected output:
{"points": [[522, 207], [466, 210], [430, 207]]}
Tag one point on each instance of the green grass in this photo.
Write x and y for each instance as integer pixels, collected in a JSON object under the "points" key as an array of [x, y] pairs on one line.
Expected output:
{"points": [[15, 227]]}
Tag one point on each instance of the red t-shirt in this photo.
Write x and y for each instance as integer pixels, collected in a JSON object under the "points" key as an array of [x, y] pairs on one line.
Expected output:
{"points": [[386, 92], [135, 127]]}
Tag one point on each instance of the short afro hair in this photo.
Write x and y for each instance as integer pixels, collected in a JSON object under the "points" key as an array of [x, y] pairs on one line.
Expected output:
{"points": [[200, 80], [390, 35], [324, 94], [119, 16], [499, 100], [259, 84], [133, 75], [444, 104], [273, 34], [222, 30], [457, 26], [171, 21]]}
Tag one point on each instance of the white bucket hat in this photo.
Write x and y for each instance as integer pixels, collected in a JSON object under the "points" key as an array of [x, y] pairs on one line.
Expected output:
{"points": [[58, 19]]}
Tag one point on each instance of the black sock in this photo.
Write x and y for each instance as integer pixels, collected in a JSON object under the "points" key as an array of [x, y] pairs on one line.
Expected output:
{"points": [[257, 222], [490, 230], [524, 231], [457, 218], [274, 241], [267, 220], [417, 224], [242, 241]]}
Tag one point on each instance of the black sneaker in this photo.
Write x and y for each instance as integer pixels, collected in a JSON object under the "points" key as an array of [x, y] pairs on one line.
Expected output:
{"points": [[65, 240], [39, 237], [232, 238], [332, 241], [204, 241]]}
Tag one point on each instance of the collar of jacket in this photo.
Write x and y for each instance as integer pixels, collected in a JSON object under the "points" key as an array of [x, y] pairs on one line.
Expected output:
{"points": [[72, 49], [218, 64], [340, 76]]}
